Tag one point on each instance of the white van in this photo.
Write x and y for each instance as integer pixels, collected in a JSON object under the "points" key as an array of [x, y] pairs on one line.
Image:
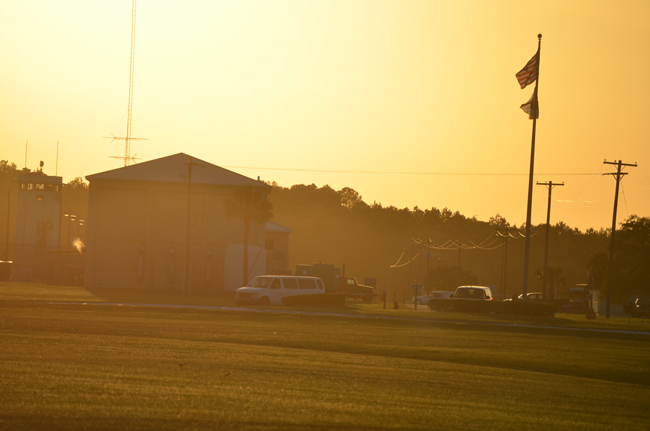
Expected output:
{"points": [[270, 289]]}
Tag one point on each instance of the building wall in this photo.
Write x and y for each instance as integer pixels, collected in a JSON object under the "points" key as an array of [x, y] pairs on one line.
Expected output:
{"points": [[137, 234]]}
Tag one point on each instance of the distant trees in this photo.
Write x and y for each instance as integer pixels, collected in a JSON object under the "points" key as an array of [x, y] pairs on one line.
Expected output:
{"points": [[349, 197], [9, 171], [337, 226], [631, 250], [75, 196], [448, 278], [250, 204]]}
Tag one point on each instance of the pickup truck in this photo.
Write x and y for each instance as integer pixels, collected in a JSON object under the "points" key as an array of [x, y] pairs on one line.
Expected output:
{"points": [[355, 290]]}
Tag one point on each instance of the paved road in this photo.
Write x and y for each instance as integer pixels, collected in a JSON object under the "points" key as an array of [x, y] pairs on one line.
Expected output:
{"points": [[359, 316]]}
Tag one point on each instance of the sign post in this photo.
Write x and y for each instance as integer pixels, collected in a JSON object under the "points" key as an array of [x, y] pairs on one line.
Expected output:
{"points": [[417, 288]]}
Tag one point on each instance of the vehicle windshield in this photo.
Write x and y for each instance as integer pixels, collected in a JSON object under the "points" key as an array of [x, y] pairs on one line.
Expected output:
{"points": [[262, 282], [470, 293]]}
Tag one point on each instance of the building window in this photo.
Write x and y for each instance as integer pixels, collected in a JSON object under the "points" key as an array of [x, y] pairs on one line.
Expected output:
{"points": [[269, 243], [30, 186], [40, 186]]}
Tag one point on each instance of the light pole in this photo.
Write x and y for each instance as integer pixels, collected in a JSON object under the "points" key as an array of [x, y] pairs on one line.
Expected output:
{"points": [[71, 217], [7, 237]]}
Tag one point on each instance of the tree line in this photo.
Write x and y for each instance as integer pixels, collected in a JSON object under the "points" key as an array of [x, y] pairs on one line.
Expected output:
{"points": [[337, 226]]}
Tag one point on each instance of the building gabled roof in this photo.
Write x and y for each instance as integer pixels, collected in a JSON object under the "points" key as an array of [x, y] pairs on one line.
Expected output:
{"points": [[274, 227], [174, 169]]}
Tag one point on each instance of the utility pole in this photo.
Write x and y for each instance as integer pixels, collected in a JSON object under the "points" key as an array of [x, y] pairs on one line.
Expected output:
{"points": [[550, 185], [460, 246], [8, 217], [419, 277], [506, 235], [618, 175], [188, 249], [409, 281]]}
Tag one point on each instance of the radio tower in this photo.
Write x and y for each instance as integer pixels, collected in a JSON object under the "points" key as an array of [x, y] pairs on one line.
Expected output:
{"points": [[127, 147]]}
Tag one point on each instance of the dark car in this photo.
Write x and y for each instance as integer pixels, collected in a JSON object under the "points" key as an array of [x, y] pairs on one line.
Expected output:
{"points": [[532, 296], [355, 290]]}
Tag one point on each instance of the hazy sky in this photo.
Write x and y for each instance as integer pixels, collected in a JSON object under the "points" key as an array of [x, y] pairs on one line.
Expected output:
{"points": [[422, 94]]}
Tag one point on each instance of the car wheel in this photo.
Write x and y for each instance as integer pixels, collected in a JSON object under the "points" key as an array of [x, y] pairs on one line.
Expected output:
{"points": [[264, 302]]}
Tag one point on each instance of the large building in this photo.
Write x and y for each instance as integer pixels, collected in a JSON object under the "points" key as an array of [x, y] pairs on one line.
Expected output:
{"points": [[141, 217], [38, 223]]}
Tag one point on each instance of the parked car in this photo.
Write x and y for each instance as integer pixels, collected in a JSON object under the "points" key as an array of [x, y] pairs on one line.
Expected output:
{"points": [[443, 294], [355, 290], [480, 293], [270, 289], [532, 296]]}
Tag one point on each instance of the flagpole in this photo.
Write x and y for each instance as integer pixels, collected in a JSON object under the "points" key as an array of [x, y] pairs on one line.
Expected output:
{"points": [[535, 108]]}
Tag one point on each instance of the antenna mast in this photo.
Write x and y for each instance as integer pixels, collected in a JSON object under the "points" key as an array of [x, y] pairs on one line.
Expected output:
{"points": [[127, 147]]}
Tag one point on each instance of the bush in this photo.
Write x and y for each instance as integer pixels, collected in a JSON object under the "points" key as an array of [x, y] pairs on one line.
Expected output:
{"points": [[524, 308], [315, 300], [459, 305], [518, 307]]}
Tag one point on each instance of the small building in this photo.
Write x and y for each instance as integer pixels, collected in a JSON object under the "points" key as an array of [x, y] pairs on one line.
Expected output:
{"points": [[38, 224], [151, 222]]}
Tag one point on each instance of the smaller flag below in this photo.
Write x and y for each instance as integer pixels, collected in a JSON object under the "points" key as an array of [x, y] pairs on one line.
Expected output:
{"points": [[532, 106], [529, 73]]}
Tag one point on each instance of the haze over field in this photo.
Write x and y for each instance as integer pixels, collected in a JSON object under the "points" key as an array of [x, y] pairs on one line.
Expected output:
{"points": [[420, 93]]}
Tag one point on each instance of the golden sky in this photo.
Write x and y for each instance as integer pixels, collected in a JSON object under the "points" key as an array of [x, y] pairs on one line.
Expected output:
{"points": [[422, 94]]}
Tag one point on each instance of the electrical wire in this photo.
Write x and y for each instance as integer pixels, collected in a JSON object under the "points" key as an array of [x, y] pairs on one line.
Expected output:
{"points": [[399, 266], [398, 260], [333, 171]]}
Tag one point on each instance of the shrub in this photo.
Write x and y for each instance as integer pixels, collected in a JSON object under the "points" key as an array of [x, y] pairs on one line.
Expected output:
{"points": [[459, 305], [522, 308], [315, 300]]}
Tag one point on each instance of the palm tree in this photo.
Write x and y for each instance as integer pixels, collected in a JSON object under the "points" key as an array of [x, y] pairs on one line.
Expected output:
{"points": [[250, 204], [555, 279]]}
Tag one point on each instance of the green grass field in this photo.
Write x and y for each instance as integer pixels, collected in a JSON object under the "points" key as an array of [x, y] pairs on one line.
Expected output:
{"points": [[108, 367]]}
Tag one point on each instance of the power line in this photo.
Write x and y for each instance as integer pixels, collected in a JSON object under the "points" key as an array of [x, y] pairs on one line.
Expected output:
{"points": [[334, 171]]}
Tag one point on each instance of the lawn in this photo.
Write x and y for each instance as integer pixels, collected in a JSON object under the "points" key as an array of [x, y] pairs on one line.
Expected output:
{"points": [[107, 367]]}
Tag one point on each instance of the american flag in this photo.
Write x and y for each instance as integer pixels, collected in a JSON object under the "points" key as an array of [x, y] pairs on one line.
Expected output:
{"points": [[529, 73]]}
